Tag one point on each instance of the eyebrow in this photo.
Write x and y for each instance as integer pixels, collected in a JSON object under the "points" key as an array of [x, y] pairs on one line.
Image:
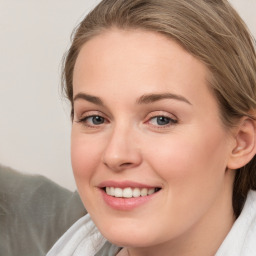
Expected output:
{"points": [[90, 98], [150, 98], [144, 99]]}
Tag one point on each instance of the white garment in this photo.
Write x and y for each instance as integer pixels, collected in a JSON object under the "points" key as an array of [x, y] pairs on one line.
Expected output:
{"points": [[241, 240], [81, 239], [84, 239]]}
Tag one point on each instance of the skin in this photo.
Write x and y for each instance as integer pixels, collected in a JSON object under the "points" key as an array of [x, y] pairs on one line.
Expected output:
{"points": [[187, 157]]}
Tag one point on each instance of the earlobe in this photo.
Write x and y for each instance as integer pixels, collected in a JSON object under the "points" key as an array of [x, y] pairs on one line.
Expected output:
{"points": [[245, 146]]}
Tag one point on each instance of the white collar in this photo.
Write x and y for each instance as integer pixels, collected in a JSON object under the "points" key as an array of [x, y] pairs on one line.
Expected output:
{"points": [[241, 240]]}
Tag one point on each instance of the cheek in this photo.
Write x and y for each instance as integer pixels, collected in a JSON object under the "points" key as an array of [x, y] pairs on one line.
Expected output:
{"points": [[85, 156], [193, 170], [194, 158]]}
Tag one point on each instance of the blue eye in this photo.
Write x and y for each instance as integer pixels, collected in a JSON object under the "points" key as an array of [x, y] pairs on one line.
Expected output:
{"points": [[162, 121], [92, 120], [95, 120]]}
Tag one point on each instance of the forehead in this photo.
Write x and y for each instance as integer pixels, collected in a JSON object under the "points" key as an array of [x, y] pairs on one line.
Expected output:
{"points": [[145, 61], [134, 47]]}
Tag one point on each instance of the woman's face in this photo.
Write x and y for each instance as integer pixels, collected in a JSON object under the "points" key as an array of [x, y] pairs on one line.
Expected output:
{"points": [[149, 151]]}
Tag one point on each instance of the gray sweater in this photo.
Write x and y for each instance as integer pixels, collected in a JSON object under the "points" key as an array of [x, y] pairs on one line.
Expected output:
{"points": [[34, 213]]}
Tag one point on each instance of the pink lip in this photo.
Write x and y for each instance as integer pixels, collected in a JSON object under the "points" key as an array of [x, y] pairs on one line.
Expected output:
{"points": [[125, 204], [124, 184]]}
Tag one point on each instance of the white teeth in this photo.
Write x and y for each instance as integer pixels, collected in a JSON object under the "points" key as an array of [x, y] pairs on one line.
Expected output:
{"points": [[112, 191], [151, 191], [108, 190], [144, 192], [118, 192], [136, 192], [129, 192]]}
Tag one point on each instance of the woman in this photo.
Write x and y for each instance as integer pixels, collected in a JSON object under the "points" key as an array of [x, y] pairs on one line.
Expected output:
{"points": [[163, 97]]}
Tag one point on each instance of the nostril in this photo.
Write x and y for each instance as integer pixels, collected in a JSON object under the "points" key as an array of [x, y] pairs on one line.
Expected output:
{"points": [[118, 165], [125, 164]]}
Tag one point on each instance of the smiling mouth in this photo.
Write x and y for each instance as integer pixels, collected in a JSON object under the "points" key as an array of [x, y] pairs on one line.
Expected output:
{"points": [[130, 192]]}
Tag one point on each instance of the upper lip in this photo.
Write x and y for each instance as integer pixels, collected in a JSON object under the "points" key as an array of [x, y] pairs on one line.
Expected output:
{"points": [[124, 184]]}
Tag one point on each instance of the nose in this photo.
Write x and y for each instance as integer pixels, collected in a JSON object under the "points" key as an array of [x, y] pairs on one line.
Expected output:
{"points": [[122, 151]]}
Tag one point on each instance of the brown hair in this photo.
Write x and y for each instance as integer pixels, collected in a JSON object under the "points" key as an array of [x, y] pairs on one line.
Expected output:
{"points": [[212, 31]]}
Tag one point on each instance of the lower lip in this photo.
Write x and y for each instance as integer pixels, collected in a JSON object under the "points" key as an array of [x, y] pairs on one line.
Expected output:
{"points": [[125, 204]]}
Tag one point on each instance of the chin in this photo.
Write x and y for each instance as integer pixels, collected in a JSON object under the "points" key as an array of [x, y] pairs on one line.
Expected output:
{"points": [[129, 240], [129, 236]]}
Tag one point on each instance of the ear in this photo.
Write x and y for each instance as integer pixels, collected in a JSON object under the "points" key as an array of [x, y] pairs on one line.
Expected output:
{"points": [[245, 144]]}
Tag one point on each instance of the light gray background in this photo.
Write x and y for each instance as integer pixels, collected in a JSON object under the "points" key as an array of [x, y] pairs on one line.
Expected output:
{"points": [[34, 119]]}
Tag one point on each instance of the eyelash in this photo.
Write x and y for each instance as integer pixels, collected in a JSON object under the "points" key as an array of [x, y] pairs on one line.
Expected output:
{"points": [[171, 121], [84, 121]]}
